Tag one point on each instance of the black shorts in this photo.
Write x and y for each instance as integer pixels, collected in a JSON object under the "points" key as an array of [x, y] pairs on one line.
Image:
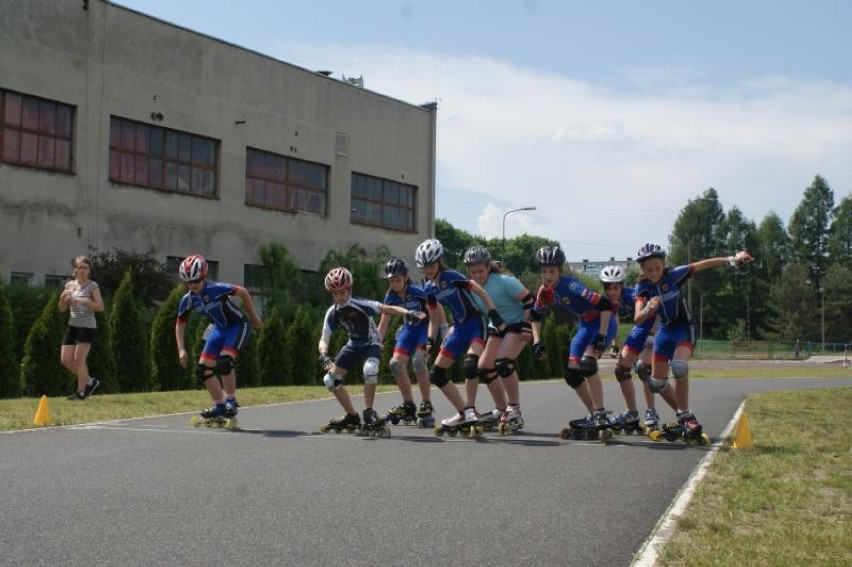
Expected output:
{"points": [[522, 328], [74, 335]]}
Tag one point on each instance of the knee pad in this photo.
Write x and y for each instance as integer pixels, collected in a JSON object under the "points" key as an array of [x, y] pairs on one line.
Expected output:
{"points": [[643, 370], [418, 361], [589, 366], [332, 382], [438, 376], [657, 386], [622, 373], [397, 367], [371, 371], [470, 366], [574, 377], [224, 365], [680, 369], [204, 373], [505, 367], [486, 375]]}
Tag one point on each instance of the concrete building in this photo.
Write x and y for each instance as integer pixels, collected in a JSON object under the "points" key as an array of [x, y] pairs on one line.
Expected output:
{"points": [[592, 269], [121, 131]]}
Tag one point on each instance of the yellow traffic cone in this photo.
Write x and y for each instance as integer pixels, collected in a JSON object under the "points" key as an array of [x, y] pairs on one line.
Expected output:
{"points": [[42, 415], [742, 438]]}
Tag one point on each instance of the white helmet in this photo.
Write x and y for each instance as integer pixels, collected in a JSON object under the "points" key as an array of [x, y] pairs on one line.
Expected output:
{"points": [[429, 251], [193, 268], [612, 274]]}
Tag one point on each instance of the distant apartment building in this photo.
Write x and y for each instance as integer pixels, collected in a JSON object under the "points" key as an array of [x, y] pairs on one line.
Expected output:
{"points": [[121, 131]]}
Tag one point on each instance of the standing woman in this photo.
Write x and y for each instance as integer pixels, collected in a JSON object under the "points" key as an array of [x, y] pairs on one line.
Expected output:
{"points": [[513, 302], [83, 297], [658, 294]]}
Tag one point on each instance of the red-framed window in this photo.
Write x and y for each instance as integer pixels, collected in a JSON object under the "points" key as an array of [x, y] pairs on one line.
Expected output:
{"points": [[36, 132], [163, 159], [383, 203], [285, 184]]}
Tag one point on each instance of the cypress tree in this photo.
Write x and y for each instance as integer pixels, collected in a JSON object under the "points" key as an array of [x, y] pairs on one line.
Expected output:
{"points": [[41, 370], [130, 341], [271, 352], [101, 358], [10, 377], [248, 371], [165, 365], [301, 340]]}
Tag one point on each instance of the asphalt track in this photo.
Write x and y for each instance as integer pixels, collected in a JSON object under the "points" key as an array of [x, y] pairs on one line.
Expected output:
{"points": [[157, 492]]}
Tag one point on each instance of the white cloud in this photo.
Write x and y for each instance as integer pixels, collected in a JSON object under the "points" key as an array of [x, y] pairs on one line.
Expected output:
{"points": [[607, 169]]}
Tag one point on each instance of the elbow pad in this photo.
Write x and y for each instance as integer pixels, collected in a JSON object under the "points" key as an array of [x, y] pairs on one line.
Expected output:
{"points": [[528, 301]]}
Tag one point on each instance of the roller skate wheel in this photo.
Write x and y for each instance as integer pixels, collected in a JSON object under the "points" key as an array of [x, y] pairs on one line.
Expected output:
{"points": [[439, 431], [565, 434], [502, 429], [705, 439], [605, 435], [477, 431], [655, 435], [453, 432], [196, 421]]}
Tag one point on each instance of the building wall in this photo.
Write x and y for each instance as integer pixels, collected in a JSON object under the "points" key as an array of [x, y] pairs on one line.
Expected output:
{"points": [[107, 60]]}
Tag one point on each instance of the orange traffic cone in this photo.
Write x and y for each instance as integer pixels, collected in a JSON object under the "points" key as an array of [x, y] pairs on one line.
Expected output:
{"points": [[742, 437], [42, 415]]}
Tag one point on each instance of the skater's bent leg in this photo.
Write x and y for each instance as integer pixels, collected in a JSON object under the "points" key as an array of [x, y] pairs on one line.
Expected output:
{"points": [[207, 375], [342, 396], [498, 393], [371, 380]]}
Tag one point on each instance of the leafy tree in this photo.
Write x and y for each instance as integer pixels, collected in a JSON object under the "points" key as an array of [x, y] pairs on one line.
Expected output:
{"points": [[41, 370], [809, 228], [280, 278], [10, 377], [840, 234], [365, 269], [728, 306], [773, 247], [247, 368], [130, 340], [272, 357], [520, 252], [794, 302], [454, 241], [165, 365], [150, 279]]}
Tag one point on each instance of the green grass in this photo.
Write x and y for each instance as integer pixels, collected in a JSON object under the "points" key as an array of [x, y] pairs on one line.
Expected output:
{"points": [[785, 502]]}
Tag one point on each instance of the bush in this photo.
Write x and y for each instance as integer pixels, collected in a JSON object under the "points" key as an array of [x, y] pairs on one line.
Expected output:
{"points": [[301, 343], [41, 370], [26, 304], [101, 358], [10, 376], [248, 372], [165, 364], [130, 341]]}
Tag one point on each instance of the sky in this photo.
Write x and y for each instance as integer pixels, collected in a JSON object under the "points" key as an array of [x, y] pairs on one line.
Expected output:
{"points": [[606, 116]]}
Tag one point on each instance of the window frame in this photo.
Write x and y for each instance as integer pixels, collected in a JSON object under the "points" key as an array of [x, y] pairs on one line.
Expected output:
{"points": [[37, 135], [374, 202], [280, 175]]}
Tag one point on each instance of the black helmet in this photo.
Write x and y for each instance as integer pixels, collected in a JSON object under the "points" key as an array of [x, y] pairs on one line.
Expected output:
{"points": [[550, 256], [477, 255], [396, 267], [650, 250]]}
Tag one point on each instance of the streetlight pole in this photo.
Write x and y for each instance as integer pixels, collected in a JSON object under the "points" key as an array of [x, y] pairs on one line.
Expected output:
{"points": [[506, 214], [822, 298]]}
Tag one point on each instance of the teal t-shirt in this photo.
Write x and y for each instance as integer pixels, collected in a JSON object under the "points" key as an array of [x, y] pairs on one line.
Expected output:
{"points": [[503, 290]]}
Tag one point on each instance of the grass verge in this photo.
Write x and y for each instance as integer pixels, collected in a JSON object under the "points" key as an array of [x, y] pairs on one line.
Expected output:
{"points": [[785, 502]]}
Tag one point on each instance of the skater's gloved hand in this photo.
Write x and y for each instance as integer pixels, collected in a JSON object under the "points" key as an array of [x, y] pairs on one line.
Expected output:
{"points": [[325, 360], [414, 315], [539, 351], [600, 343], [497, 320]]}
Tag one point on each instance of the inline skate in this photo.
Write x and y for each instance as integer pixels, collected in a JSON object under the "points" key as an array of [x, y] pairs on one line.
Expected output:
{"points": [[465, 423], [219, 415], [652, 421], [424, 414], [595, 426], [373, 425], [686, 427], [348, 422], [406, 413], [511, 420], [626, 422], [490, 419]]}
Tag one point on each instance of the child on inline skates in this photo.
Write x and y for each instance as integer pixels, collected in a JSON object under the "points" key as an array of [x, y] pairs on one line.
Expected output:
{"points": [[636, 344], [597, 327], [513, 302], [658, 294], [228, 335], [450, 288], [355, 316], [410, 344]]}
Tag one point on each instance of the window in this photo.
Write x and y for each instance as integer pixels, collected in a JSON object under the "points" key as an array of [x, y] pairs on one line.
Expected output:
{"points": [[384, 203], [162, 159], [255, 278], [55, 281], [20, 278], [35, 132], [285, 184]]}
